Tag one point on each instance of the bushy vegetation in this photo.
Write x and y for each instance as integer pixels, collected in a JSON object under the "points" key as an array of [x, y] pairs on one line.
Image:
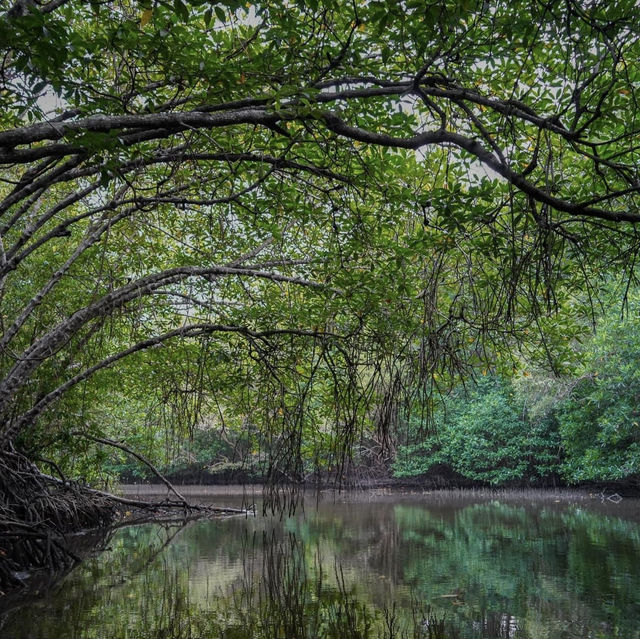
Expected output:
{"points": [[599, 419], [485, 433], [535, 427]]}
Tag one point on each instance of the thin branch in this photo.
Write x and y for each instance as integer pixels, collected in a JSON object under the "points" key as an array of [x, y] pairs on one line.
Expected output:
{"points": [[139, 457], [190, 331]]}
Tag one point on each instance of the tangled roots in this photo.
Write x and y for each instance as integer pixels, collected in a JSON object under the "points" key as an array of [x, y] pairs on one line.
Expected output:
{"points": [[37, 513]]}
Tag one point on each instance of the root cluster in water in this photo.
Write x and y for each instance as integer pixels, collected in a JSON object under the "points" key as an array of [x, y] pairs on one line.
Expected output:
{"points": [[37, 513]]}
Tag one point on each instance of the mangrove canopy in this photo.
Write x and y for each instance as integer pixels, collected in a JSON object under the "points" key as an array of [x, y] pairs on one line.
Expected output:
{"points": [[299, 219]]}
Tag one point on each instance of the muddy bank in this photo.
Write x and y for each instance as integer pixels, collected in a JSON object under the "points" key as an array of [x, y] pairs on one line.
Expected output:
{"points": [[439, 478]]}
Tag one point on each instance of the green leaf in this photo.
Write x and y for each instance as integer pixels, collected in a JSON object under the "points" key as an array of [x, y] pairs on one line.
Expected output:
{"points": [[181, 10]]}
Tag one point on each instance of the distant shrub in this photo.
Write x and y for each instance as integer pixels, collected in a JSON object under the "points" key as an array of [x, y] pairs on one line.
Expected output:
{"points": [[599, 420], [485, 434]]}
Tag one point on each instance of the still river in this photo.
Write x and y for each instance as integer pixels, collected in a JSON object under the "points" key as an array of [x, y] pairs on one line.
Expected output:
{"points": [[432, 565]]}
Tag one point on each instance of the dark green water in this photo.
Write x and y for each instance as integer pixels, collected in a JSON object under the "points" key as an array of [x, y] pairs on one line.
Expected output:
{"points": [[387, 566]]}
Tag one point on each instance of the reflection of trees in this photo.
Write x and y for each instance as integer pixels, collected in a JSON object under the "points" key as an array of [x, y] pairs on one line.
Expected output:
{"points": [[508, 572], [104, 583], [534, 565], [511, 567], [38, 583], [496, 625], [370, 538], [278, 594]]}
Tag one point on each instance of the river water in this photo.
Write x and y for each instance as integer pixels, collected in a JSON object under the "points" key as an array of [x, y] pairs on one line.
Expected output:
{"points": [[434, 566]]}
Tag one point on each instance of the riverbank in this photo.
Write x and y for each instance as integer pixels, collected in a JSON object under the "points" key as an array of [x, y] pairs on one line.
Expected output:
{"points": [[381, 480], [255, 496]]}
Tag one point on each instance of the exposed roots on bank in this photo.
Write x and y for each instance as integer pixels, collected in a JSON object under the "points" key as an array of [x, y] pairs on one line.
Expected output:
{"points": [[39, 513]]}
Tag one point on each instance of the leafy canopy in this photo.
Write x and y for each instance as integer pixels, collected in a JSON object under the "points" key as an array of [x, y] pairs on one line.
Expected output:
{"points": [[309, 208]]}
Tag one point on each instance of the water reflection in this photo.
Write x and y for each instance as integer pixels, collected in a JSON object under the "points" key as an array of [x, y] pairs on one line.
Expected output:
{"points": [[360, 569]]}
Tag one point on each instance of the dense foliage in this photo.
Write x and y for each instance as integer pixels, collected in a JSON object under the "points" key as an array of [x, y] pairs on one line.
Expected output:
{"points": [[297, 221], [540, 427], [486, 434], [599, 416]]}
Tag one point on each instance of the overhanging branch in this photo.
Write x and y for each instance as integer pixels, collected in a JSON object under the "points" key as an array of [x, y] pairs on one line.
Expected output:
{"points": [[189, 331]]}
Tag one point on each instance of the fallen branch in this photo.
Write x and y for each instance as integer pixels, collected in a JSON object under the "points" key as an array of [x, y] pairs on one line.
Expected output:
{"points": [[169, 504], [139, 503], [139, 457]]}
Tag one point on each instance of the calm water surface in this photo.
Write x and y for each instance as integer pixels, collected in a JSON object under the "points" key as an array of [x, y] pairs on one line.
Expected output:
{"points": [[360, 565]]}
